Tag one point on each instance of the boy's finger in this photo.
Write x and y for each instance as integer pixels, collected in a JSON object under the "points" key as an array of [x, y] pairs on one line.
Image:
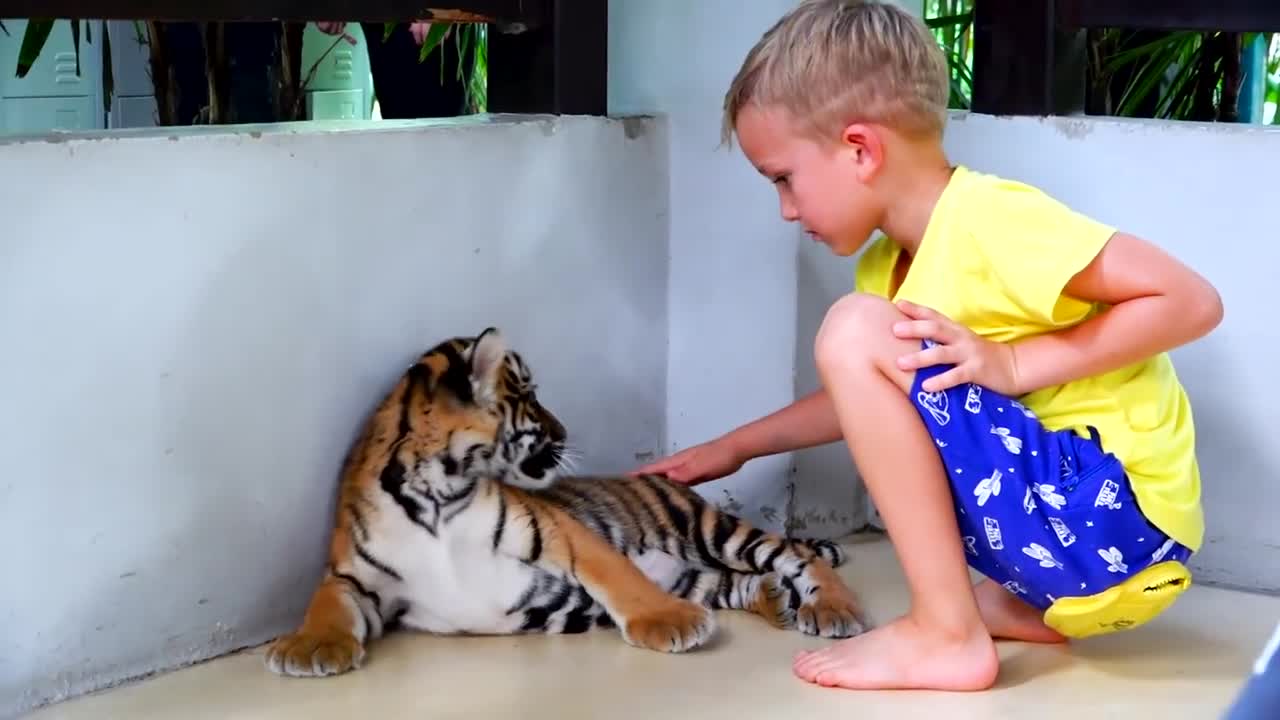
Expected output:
{"points": [[920, 312], [914, 328], [681, 475], [936, 330], [657, 467], [937, 355], [946, 380]]}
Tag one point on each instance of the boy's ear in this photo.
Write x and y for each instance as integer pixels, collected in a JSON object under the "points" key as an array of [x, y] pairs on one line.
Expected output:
{"points": [[865, 147]]}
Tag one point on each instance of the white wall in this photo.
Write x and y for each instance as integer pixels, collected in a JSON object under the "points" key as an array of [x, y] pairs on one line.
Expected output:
{"points": [[834, 500], [733, 260], [190, 343], [741, 328]]}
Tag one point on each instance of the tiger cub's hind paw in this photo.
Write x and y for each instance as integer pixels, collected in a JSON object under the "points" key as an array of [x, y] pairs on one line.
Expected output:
{"points": [[773, 602], [675, 627], [829, 551]]}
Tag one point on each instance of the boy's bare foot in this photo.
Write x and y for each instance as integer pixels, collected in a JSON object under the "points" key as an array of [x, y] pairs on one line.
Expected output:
{"points": [[904, 656], [1008, 618]]}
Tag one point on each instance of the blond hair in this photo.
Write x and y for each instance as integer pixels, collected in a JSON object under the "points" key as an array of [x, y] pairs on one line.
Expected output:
{"points": [[829, 63]]}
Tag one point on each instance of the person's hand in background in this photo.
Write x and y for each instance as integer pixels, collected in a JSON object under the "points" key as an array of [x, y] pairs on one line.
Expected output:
{"points": [[331, 27]]}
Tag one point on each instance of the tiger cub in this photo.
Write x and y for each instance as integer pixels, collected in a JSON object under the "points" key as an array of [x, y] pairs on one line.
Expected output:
{"points": [[452, 518]]}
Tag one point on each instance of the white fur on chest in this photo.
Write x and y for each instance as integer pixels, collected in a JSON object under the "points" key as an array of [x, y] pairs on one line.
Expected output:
{"points": [[452, 582]]}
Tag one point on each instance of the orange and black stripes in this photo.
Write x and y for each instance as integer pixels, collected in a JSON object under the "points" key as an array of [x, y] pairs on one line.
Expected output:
{"points": [[461, 457]]}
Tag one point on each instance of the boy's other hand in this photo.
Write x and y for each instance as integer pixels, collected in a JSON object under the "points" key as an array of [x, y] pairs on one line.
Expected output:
{"points": [[698, 464], [976, 359]]}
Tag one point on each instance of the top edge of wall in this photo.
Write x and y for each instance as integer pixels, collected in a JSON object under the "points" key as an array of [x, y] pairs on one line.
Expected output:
{"points": [[1087, 122], [320, 127]]}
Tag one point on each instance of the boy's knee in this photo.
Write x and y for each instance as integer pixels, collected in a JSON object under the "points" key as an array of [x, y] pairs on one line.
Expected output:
{"points": [[858, 328]]}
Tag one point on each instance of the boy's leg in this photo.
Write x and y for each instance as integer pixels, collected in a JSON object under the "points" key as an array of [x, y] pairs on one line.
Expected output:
{"points": [[941, 643], [1009, 618]]}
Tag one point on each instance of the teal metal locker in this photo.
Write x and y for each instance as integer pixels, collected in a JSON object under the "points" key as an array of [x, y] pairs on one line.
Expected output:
{"points": [[53, 96]]}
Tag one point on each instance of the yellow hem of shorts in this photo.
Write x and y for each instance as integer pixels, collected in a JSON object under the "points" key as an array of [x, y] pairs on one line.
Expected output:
{"points": [[1132, 603]]}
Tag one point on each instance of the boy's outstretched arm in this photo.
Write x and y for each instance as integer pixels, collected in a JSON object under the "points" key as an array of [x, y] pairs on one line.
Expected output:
{"points": [[805, 423], [1157, 304]]}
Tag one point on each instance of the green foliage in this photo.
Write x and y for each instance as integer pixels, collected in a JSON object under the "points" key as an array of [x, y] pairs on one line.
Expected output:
{"points": [[1272, 96], [434, 36], [951, 22], [475, 37], [33, 40], [1172, 75], [468, 36], [1162, 78]]}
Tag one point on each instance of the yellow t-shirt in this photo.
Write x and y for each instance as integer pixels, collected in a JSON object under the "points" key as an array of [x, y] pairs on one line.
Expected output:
{"points": [[996, 257]]}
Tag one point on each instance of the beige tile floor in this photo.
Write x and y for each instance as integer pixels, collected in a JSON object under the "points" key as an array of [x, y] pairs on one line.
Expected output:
{"points": [[1187, 664]]}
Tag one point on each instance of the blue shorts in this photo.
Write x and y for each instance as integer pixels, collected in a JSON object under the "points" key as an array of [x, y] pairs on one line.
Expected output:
{"points": [[1047, 514]]}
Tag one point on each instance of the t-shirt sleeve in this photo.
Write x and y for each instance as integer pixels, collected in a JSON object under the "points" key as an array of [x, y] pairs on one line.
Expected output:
{"points": [[1033, 245]]}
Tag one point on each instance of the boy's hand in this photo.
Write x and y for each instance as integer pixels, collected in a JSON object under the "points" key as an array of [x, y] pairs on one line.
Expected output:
{"points": [[977, 360], [698, 464]]}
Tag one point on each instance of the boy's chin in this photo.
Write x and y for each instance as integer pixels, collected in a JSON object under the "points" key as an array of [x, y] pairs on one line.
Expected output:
{"points": [[843, 247]]}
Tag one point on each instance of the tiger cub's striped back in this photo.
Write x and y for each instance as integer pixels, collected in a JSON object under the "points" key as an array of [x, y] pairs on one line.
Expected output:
{"points": [[454, 517]]}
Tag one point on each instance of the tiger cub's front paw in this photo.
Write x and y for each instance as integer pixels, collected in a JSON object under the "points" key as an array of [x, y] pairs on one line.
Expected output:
{"points": [[314, 655], [675, 627], [833, 612]]}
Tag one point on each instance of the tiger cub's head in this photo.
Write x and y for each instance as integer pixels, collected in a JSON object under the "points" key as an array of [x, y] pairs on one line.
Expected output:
{"points": [[488, 415]]}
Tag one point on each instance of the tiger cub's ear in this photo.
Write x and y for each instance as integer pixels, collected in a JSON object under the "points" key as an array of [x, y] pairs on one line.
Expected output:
{"points": [[486, 364]]}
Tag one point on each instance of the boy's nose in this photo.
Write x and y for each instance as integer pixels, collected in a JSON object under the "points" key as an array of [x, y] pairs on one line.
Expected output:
{"points": [[789, 211]]}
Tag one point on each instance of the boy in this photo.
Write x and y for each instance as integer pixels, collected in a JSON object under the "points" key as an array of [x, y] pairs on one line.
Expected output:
{"points": [[981, 290]]}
